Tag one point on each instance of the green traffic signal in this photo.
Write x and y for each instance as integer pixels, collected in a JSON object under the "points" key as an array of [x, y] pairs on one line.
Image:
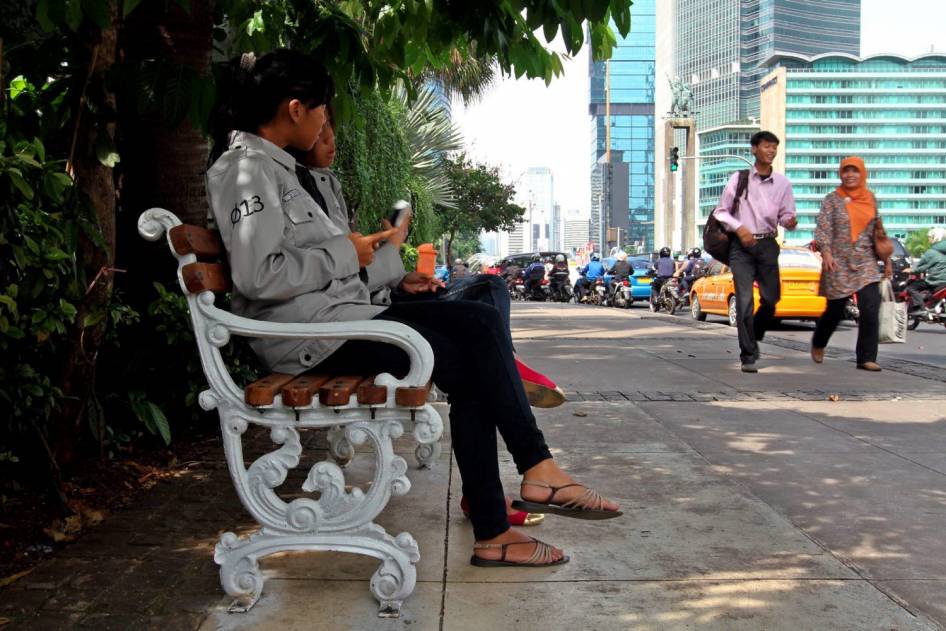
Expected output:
{"points": [[674, 159]]}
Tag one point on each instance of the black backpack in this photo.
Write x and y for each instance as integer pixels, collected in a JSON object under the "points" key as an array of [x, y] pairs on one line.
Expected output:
{"points": [[715, 235]]}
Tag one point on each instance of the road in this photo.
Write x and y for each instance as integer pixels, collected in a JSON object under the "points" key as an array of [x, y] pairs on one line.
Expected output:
{"points": [[926, 344]]}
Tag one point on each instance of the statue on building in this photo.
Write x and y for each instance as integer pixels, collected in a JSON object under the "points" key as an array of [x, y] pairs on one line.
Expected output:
{"points": [[681, 106]]}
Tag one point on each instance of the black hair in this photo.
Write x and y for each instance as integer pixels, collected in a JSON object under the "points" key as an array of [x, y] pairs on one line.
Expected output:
{"points": [[763, 136], [250, 91]]}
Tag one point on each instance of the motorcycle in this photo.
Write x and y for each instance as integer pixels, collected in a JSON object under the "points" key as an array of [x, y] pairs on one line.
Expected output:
{"points": [[517, 289], [598, 294], [668, 298], [621, 293], [851, 310], [560, 290], [933, 310]]}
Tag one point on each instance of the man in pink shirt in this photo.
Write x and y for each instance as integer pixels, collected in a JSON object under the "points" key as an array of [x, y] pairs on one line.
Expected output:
{"points": [[753, 253]]}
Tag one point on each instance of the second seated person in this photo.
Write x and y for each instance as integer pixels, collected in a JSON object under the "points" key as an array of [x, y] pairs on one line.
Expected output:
{"points": [[291, 263]]}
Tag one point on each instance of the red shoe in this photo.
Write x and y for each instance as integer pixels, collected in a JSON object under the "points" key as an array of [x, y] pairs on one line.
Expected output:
{"points": [[542, 391], [516, 517]]}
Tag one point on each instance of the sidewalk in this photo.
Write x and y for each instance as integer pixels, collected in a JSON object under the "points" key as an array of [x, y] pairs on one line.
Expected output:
{"points": [[751, 501]]}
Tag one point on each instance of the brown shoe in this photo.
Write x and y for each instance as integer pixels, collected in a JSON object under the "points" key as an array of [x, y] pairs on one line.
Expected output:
{"points": [[871, 366], [817, 355]]}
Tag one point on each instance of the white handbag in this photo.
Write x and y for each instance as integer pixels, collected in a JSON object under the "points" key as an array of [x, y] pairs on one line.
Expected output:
{"points": [[893, 316]]}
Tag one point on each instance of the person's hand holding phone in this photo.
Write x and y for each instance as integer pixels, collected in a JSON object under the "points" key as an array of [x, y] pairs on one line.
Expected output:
{"points": [[365, 245], [401, 230]]}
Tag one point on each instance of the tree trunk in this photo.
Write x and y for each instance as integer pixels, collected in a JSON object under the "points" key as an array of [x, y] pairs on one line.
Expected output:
{"points": [[161, 166], [95, 184]]}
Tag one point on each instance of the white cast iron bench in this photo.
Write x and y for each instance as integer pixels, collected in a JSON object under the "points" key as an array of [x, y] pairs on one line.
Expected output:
{"points": [[355, 409]]}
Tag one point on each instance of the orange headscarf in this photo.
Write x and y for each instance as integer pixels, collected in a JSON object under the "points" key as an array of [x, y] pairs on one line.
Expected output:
{"points": [[859, 202]]}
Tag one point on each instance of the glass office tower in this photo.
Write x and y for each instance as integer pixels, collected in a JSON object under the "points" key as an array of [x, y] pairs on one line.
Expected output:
{"points": [[622, 137], [887, 109]]}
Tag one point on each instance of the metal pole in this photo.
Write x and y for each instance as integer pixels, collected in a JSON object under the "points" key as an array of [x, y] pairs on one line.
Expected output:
{"points": [[734, 157]]}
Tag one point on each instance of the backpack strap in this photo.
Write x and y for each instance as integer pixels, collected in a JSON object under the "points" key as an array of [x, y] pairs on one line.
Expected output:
{"points": [[742, 188]]}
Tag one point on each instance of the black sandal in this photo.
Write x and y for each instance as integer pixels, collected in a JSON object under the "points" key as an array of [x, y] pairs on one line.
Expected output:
{"points": [[588, 505], [541, 557]]}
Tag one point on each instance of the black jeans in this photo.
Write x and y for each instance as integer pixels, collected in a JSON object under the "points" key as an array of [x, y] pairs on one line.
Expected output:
{"points": [[474, 366], [868, 304], [918, 290], [489, 289], [758, 264]]}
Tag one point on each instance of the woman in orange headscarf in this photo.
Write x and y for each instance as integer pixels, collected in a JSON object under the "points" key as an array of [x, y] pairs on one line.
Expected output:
{"points": [[845, 238]]}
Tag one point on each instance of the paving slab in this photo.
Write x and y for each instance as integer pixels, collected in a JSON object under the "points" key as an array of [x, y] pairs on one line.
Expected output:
{"points": [[744, 604]]}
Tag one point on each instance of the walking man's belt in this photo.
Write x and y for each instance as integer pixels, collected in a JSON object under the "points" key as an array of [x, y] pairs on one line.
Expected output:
{"points": [[765, 235]]}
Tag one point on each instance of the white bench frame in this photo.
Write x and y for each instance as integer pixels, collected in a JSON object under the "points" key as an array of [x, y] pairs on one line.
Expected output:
{"points": [[339, 520]]}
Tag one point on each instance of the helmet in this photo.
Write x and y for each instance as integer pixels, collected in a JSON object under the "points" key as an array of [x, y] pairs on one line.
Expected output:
{"points": [[559, 258], [458, 262], [620, 255], [664, 252], [695, 253], [595, 257], [536, 258]]}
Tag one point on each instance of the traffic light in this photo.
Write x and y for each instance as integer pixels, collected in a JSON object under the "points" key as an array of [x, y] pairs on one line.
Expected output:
{"points": [[674, 158]]}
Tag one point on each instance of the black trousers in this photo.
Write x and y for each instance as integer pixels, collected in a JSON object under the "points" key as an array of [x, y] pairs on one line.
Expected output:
{"points": [[868, 304], [758, 264], [918, 290], [474, 366]]}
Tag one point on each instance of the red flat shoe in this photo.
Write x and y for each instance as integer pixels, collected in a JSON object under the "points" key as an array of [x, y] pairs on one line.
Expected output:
{"points": [[516, 517], [542, 391]]}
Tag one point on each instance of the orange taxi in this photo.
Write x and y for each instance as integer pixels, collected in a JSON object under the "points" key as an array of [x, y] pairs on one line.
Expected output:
{"points": [[800, 272]]}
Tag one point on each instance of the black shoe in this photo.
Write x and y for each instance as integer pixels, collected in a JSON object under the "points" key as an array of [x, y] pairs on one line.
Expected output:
{"points": [[756, 354], [749, 367]]}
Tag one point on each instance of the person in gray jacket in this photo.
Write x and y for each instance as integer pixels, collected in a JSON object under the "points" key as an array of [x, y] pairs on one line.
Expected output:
{"points": [[291, 262]]}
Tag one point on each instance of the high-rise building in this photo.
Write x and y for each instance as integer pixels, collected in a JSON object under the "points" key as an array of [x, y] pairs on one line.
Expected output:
{"points": [[887, 109], [555, 241], [718, 50], [622, 149], [535, 193]]}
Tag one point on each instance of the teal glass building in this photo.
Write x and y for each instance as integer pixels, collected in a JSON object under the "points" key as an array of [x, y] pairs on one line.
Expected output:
{"points": [[621, 104], [887, 109]]}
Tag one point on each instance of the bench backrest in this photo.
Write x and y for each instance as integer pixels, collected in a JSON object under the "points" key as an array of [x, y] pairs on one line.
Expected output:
{"points": [[210, 272]]}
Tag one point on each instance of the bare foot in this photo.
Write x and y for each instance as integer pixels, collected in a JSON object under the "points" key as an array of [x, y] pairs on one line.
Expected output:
{"points": [[549, 473], [515, 553]]}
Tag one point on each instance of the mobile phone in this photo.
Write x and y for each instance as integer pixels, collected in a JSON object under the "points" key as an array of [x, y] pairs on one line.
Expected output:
{"points": [[399, 212]]}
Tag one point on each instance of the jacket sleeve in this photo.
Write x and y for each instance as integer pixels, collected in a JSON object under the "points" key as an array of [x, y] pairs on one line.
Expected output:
{"points": [[387, 269], [264, 264], [723, 212], [926, 261], [823, 227]]}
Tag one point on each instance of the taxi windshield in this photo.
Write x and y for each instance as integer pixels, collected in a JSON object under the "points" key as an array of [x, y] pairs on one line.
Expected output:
{"points": [[798, 259]]}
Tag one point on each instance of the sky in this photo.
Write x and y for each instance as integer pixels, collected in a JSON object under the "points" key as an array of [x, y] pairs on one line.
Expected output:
{"points": [[521, 124]]}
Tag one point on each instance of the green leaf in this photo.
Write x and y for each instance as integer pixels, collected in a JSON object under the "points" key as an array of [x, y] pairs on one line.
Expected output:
{"points": [[91, 319], [106, 151], [73, 14], [129, 5], [255, 24], [21, 185], [160, 422], [39, 149], [98, 11], [15, 332], [18, 85], [42, 16]]}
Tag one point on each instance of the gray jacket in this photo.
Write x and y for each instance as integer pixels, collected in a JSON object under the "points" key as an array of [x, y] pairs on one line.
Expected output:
{"points": [[387, 269], [289, 260]]}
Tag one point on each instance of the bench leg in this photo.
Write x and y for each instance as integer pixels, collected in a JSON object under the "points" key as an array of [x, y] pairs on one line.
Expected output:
{"points": [[340, 520], [428, 428]]}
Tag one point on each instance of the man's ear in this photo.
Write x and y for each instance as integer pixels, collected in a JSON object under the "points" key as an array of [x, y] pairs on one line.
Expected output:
{"points": [[296, 109]]}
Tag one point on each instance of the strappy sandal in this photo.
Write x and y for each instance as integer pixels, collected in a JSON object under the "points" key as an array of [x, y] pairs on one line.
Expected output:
{"points": [[541, 557], [588, 505]]}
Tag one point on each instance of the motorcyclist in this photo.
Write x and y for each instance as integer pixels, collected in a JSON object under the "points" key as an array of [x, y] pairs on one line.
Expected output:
{"points": [[664, 269], [933, 264], [534, 274], [692, 270], [459, 269], [589, 274], [511, 273], [559, 274]]}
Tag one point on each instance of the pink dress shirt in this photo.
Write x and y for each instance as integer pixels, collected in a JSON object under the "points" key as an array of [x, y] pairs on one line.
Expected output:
{"points": [[769, 205]]}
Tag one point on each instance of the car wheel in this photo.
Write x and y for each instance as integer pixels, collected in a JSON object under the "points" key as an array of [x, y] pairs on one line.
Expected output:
{"points": [[732, 311], [696, 310]]}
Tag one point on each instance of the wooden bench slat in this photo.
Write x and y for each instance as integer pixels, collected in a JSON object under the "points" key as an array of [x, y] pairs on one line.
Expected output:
{"points": [[338, 390], [411, 397], [203, 243], [370, 393], [299, 391], [263, 391], [200, 277]]}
